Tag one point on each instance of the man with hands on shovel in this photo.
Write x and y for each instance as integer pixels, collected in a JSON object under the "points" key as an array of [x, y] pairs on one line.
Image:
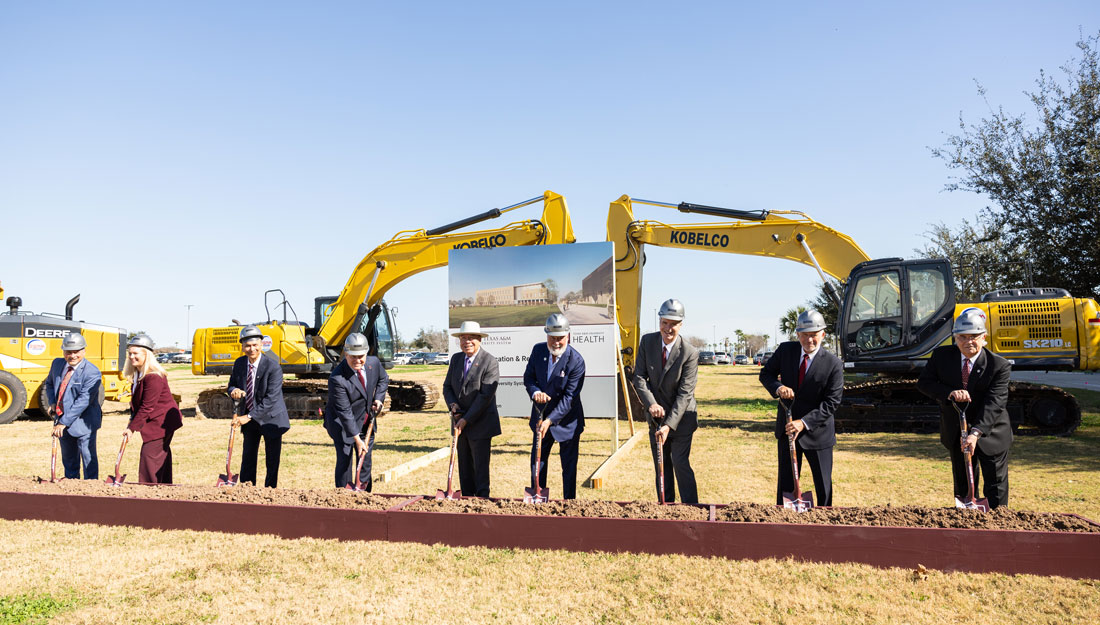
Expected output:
{"points": [[72, 389], [554, 378], [665, 373], [357, 384], [470, 391], [812, 379], [967, 373], [257, 384]]}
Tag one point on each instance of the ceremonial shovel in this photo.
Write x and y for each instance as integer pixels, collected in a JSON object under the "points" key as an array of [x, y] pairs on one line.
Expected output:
{"points": [[795, 501], [534, 494], [968, 502], [660, 469], [229, 479], [118, 479], [53, 461], [363, 456], [450, 493]]}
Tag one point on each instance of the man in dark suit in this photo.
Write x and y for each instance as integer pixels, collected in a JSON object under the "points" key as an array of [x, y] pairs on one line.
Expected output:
{"points": [[814, 379], [470, 390], [554, 378], [966, 372], [359, 382], [664, 376], [72, 389], [257, 384]]}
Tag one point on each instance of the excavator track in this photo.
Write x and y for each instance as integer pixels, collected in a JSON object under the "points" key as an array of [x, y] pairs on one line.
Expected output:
{"points": [[895, 405], [305, 399]]}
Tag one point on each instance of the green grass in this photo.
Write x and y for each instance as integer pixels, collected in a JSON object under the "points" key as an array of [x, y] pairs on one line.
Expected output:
{"points": [[34, 608], [493, 316]]}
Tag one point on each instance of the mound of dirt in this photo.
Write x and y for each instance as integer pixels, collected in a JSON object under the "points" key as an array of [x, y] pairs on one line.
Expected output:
{"points": [[576, 507], [909, 516]]}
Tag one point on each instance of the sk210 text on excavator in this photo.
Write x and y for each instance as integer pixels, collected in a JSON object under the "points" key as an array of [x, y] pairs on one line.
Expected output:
{"points": [[310, 352], [29, 343], [892, 314]]}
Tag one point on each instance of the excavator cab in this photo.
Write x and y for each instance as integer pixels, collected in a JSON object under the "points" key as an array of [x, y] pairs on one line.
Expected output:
{"points": [[376, 325], [894, 311]]}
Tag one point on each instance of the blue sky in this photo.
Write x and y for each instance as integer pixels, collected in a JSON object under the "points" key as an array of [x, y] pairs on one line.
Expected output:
{"points": [[471, 270], [155, 155]]}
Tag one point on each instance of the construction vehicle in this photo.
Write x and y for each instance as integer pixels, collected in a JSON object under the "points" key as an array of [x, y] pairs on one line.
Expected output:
{"points": [[30, 342], [310, 352], [893, 313]]}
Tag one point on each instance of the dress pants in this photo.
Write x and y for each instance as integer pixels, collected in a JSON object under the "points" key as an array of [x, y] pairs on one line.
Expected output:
{"points": [[155, 465], [568, 451], [272, 434], [347, 458], [821, 466], [77, 452], [473, 465], [994, 468], [677, 452]]}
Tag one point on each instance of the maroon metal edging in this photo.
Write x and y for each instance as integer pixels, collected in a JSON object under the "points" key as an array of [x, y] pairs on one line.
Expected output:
{"points": [[1069, 554]]}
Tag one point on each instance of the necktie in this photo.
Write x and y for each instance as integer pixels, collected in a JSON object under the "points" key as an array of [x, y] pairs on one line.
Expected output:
{"points": [[61, 391], [802, 368], [466, 368], [664, 356], [249, 393], [966, 372], [362, 379]]}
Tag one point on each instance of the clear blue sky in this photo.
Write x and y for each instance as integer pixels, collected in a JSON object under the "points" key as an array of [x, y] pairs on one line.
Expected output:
{"points": [[154, 155]]}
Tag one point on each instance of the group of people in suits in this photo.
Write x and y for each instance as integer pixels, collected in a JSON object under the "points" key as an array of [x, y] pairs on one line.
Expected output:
{"points": [[799, 372], [73, 386]]}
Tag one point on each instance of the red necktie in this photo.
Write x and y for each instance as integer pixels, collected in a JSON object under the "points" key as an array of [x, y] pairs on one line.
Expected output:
{"points": [[362, 379], [664, 356], [61, 391], [966, 372], [802, 368]]}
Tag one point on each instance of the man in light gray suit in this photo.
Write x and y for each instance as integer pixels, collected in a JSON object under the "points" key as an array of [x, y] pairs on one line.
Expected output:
{"points": [[664, 376]]}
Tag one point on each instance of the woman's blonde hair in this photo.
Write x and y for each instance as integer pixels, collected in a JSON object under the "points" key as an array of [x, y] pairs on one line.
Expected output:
{"points": [[151, 366]]}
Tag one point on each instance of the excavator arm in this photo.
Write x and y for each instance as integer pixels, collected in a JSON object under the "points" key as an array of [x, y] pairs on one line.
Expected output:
{"points": [[412, 251], [789, 235]]}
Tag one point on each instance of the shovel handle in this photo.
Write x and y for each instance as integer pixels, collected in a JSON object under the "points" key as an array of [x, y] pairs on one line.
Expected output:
{"points": [[121, 450]]}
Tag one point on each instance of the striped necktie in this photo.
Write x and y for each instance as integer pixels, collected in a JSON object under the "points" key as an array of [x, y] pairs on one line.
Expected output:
{"points": [[250, 393], [61, 391]]}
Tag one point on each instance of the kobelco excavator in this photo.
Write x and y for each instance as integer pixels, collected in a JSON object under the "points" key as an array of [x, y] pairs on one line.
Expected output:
{"points": [[311, 351], [29, 343], [893, 312]]}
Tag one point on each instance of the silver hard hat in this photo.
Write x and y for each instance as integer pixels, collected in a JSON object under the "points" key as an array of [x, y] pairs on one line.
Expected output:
{"points": [[74, 342], [970, 321], [250, 332], [356, 344], [809, 321], [557, 325], [672, 309], [142, 340]]}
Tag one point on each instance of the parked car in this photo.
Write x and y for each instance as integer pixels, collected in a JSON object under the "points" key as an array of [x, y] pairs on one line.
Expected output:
{"points": [[722, 358], [441, 359], [706, 358], [757, 358], [402, 358], [742, 359], [421, 358], [181, 358], [764, 360], [164, 358]]}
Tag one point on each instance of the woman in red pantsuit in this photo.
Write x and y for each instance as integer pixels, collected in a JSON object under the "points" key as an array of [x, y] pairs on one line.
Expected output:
{"points": [[153, 412]]}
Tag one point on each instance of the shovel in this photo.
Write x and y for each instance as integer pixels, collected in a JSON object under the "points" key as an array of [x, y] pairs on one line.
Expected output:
{"points": [[660, 469], [118, 479], [534, 494], [229, 479], [968, 502], [53, 462], [797, 501], [450, 493], [359, 487]]}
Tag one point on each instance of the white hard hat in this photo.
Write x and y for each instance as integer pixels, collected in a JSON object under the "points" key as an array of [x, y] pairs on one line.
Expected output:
{"points": [[672, 309], [810, 321], [74, 342], [356, 344], [557, 325], [970, 321]]}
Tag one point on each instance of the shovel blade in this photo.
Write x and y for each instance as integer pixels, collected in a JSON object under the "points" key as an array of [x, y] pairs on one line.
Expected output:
{"points": [[227, 480], [970, 503], [54, 480], [442, 494], [792, 501], [357, 487], [532, 495], [115, 480]]}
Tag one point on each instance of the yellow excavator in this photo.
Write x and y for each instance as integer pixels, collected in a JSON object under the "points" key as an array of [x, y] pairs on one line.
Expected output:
{"points": [[893, 312], [29, 343], [309, 352]]}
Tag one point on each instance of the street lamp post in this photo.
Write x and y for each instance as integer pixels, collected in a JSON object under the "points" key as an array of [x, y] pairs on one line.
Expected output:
{"points": [[188, 334]]}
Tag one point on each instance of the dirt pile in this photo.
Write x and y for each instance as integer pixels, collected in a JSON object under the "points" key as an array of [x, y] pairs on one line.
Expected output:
{"points": [[576, 507]]}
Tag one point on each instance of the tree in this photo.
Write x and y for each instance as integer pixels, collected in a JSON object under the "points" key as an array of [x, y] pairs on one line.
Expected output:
{"points": [[696, 342], [431, 339], [1044, 179], [826, 305], [789, 321], [740, 341], [981, 259], [551, 290]]}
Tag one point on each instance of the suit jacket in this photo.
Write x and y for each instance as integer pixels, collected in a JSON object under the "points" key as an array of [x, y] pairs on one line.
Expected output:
{"points": [[815, 400], [988, 387], [348, 402], [564, 385], [673, 386], [268, 407], [82, 414], [153, 412], [476, 395]]}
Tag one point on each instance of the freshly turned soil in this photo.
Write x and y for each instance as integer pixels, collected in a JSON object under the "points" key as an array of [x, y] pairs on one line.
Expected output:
{"points": [[1001, 519], [241, 493], [909, 516], [576, 507]]}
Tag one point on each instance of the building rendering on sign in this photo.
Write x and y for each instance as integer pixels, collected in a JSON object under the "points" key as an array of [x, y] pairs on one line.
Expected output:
{"points": [[598, 286], [532, 294]]}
